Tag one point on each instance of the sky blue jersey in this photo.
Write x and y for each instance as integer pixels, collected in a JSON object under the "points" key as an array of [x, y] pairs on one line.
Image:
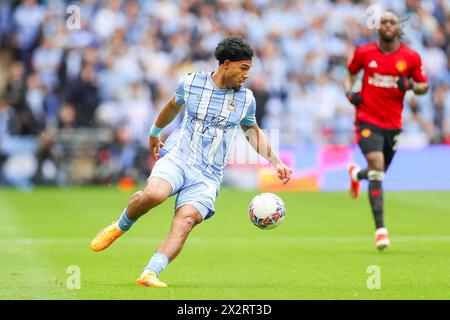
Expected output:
{"points": [[212, 116]]}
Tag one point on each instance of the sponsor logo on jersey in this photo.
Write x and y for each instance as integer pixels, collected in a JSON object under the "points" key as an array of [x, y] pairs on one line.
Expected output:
{"points": [[208, 122], [383, 81]]}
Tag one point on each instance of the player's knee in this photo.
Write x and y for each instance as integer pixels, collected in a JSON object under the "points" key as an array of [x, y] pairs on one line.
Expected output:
{"points": [[375, 162], [375, 175], [156, 197], [376, 165], [151, 199], [186, 223]]}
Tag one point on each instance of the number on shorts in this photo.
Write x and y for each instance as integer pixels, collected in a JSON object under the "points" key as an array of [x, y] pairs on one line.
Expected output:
{"points": [[396, 138]]}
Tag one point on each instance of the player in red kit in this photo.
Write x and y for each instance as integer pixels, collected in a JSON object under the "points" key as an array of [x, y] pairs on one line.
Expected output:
{"points": [[390, 69]]}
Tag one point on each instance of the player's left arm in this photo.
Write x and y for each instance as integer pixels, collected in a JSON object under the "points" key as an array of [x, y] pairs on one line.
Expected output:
{"points": [[418, 81], [258, 140], [420, 87]]}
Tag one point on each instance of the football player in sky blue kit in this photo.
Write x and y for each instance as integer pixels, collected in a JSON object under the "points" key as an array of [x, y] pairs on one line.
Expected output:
{"points": [[192, 160]]}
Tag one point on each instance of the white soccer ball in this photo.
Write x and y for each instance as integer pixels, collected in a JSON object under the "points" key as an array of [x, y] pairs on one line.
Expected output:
{"points": [[266, 210]]}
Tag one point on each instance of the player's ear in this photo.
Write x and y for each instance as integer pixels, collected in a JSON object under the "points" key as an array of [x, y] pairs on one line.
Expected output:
{"points": [[227, 64]]}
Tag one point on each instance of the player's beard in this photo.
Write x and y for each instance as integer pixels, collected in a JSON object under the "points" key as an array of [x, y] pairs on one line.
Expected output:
{"points": [[388, 39], [238, 84]]}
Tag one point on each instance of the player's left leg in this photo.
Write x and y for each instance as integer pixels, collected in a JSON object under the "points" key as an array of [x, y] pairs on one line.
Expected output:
{"points": [[390, 146], [195, 203], [185, 219], [375, 175], [372, 141]]}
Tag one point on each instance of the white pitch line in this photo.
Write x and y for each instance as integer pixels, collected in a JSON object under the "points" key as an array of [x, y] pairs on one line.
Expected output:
{"points": [[207, 240]]}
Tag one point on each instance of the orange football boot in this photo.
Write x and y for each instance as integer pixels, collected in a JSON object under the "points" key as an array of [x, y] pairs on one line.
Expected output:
{"points": [[150, 279], [354, 184], [105, 237]]}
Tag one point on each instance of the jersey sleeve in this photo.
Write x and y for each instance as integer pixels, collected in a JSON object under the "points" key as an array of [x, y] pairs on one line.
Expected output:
{"points": [[355, 64], [418, 71], [179, 93], [250, 118]]}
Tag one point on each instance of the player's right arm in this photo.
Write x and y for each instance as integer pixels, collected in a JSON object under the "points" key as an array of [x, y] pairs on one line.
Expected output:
{"points": [[168, 112], [349, 81], [165, 116], [355, 98]]}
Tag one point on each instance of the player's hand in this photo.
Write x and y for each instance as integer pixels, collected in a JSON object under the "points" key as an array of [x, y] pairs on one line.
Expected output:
{"points": [[284, 172], [355, 98], [405, 83], [155, 145]]}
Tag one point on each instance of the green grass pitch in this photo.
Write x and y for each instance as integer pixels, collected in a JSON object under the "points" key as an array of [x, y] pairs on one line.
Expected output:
{"points": [[322, 250]]}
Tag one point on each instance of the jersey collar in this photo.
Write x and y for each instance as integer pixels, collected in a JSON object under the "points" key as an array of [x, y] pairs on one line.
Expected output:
{"points": [[387, 53], [216, 88]]}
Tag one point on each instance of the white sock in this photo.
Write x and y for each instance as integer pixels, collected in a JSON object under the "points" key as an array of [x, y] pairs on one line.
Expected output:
{"points": [[354, 173], [381, 231]]}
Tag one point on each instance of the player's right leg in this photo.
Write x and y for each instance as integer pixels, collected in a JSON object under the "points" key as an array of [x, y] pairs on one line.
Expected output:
{"points": [[165, 180], [372, 142], [156, 191], [355, 184]]}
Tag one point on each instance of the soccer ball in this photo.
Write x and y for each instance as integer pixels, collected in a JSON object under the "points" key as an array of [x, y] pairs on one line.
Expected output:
{"points": [[266, 210]]}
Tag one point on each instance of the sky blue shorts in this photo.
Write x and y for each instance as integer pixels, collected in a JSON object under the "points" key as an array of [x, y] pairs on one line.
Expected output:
{"points": [[193, 186]]}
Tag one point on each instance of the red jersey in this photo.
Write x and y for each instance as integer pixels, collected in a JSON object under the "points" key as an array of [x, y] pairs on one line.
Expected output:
{"points": [[382, 100]]}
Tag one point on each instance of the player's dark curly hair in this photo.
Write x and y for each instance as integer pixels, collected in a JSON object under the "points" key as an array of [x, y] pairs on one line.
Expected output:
{"points": [[233, 48]]}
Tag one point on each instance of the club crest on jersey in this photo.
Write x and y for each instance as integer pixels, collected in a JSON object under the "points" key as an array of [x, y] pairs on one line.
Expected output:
{"points": [[232, 106], [373, 64], [401, 66]]}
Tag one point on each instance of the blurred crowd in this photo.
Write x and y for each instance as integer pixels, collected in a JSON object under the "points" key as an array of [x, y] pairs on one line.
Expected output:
{"points": [[105, 73]]}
